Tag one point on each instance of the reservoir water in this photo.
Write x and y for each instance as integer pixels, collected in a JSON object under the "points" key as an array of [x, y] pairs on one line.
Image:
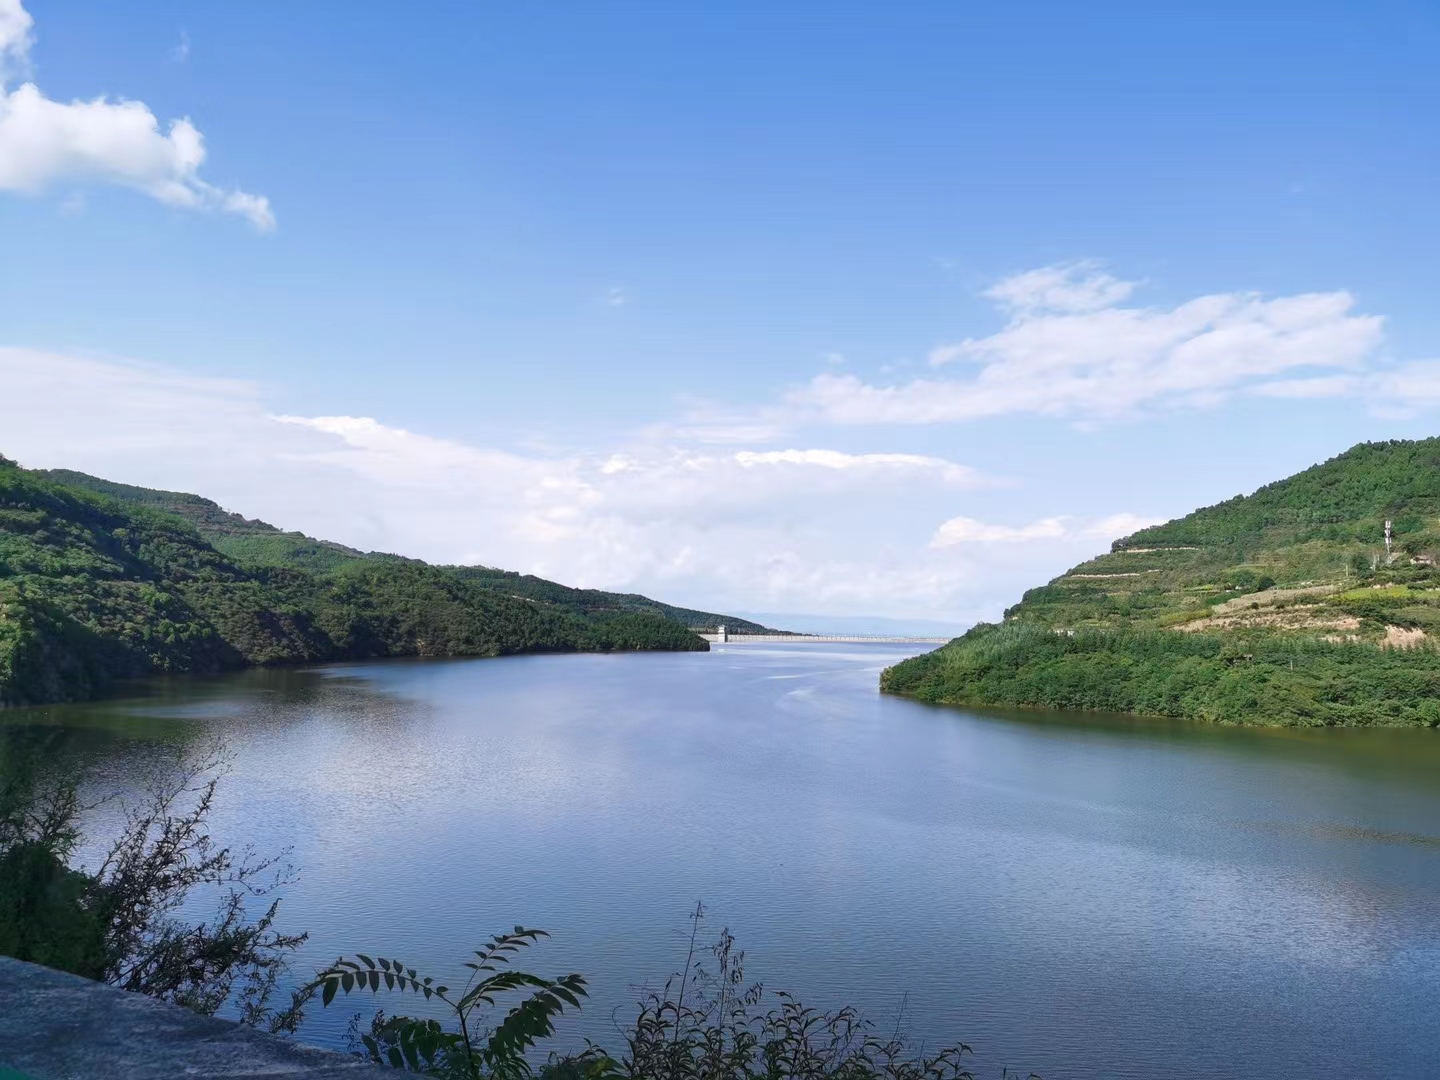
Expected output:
{"points": [[1082, 896]]}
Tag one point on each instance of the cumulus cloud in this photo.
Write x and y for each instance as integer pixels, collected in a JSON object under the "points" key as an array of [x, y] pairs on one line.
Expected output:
{"points": [[571, 497], [44, 142], [965, 530], [763, 524], [15, 38], [1401, 390], [807, 528], [1074, 287], [1071, 350], [836, 460]]}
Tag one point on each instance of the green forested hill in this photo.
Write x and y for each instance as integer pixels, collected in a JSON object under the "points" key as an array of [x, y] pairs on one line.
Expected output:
{"points": [[102, 581], [239, 537], [257, 543], [1281, 607]]}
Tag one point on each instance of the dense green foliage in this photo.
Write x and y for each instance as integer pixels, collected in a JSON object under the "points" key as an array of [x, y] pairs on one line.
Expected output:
{"points": [[254, 542], [259, 544], [100, 581], [468, 1051], [706, 1023], [1267, 678], [1281, 607], [595, 601], [119, 922], [1344, 500]]}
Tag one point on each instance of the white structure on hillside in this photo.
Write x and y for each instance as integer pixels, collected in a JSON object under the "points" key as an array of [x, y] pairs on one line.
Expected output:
{"points": [[1388, 556]]}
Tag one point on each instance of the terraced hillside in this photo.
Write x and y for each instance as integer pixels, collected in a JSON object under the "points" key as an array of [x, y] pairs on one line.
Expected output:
{"points": [[1282, 607]]}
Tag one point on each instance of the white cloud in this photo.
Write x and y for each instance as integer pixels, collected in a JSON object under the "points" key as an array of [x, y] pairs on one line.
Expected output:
{"points": [[1317, 386], [1413, 386], [801, 528], [965, 530], [661, 518], [1069, 287], [15, 40], [1400, 390], [616, 297], [704, 421], [181, 52], [45, 142], [1117, 525], [836, 460], [1070, 351]]}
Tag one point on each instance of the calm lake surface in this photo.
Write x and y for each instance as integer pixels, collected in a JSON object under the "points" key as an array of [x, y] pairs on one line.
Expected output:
{"points": [[1081, 896]]}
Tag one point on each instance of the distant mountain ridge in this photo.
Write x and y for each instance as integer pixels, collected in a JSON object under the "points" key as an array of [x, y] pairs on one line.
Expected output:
{"points": [[258, 542], [102, 581], [859, 624], [1285, 606], [235, 535]]}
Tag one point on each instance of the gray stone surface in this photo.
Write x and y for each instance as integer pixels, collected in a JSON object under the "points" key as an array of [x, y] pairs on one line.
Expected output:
{"points": [[55, 1026]]}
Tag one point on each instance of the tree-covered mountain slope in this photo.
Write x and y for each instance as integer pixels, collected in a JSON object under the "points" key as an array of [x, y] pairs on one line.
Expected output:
{"points": [[260, 544], [241, 538], [99, 583], [1280, 607]]}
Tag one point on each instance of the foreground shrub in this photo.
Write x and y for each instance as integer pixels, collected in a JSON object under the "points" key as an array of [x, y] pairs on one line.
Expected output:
{"points": [[118, 923], [706, 1023]]}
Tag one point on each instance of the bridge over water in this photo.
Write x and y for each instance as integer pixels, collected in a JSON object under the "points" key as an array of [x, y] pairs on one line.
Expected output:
{"points": [[723, 637]]}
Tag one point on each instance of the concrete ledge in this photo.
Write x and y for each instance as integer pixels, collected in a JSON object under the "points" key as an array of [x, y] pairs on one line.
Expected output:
{"points": [[55, 1026]]}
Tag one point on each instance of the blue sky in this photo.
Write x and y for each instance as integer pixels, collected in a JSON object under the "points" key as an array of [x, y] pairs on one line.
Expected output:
{"points": [[705, 300]]}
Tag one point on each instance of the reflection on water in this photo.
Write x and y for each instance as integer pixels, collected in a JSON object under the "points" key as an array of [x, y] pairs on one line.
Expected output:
{"points": [[1086, 896]]}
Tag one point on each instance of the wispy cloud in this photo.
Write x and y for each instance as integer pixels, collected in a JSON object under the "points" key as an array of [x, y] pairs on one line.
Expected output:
{"points": [[965, 530], [181, 52], [1401, 390], [1068, 287], [16, 36], [837, 461], [44, 142], [1071, 349], [762, 526]]}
